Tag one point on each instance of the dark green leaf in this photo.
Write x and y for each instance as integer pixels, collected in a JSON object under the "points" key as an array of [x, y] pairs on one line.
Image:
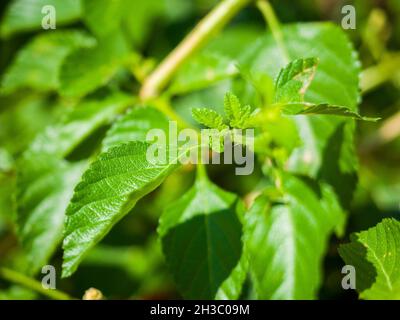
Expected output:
{"points": [[305, 108], [44, 189], [38, 64], [201, 238]]}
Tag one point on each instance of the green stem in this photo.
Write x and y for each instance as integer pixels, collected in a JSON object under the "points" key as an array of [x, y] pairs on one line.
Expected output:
{"points": [[201, 171], [206, 28], [273, 23], [21, 279]]}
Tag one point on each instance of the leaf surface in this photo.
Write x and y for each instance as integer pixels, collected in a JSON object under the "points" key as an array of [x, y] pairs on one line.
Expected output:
{"points": [[375, 255], [287, 239], [201, 239]]}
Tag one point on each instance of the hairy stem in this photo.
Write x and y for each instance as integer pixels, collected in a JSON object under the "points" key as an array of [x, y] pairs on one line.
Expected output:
{"points": [[206, 28], [21, 279], [270, 17]]}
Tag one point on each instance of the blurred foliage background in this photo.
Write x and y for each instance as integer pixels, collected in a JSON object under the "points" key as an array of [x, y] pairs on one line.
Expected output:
{"points": [[128, 262]]}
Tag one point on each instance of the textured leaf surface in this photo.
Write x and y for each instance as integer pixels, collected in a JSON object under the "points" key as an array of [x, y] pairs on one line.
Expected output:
{"points": [[375, 254], [109, 190], [37, 65], [327, 151], [201, 239], [309, 108], [209, 118], [135, 125], [45, 185], [236, 113], [26, 15], [87, 69], [286, 241], [79, 123], [293, 80]]}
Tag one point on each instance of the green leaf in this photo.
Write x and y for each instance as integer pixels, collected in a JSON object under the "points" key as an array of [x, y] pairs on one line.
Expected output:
{"points": [[305, 108], [327, 151], [135, 125], [90, 68], [286, 239], [104, 16], [201, 239], [38, 64], [204, 70], [61, 138], [44, 189], [26, 15], [374, 253], [209, 118], [236, 113], [109, 189], [293, 80], [216, 62], [23, 117]]}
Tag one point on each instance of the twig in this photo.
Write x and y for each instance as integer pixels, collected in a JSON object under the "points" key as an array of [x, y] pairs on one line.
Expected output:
{"points": [[206, 28], [273, 23], [21, 279]]}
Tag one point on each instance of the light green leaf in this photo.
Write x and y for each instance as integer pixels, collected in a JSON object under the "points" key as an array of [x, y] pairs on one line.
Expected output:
{"points": [[287, 239], [375, 255], [327, 151], [236, 113], [61, 138], [38, 64], [87, 69], [294, 79], [44, 189], [305, 108], [109, 189], [104, 16], [216, 62], [201, 239], [204, 70], [209, 118], [135, 125], [26, 15]]}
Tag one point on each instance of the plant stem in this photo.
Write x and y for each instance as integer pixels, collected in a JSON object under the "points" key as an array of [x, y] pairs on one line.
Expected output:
{"points": [[21, 279], [270, 17], [206, 28], [376, 75]]}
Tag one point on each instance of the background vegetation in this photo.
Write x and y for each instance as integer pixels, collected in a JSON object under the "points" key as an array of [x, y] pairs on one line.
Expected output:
{"points": [[97, 60]]}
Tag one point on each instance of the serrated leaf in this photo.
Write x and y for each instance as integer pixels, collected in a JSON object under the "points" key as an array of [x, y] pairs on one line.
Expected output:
{"points": [[293, 80], [44, 189], [61, 138], [87, 69], [201, 239], [37, 65], [135, 125], [287, 239], [209, 118], [109, 189], [327, 149], [305, 108], [26, 15], [375, 255], [236, 113]]}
